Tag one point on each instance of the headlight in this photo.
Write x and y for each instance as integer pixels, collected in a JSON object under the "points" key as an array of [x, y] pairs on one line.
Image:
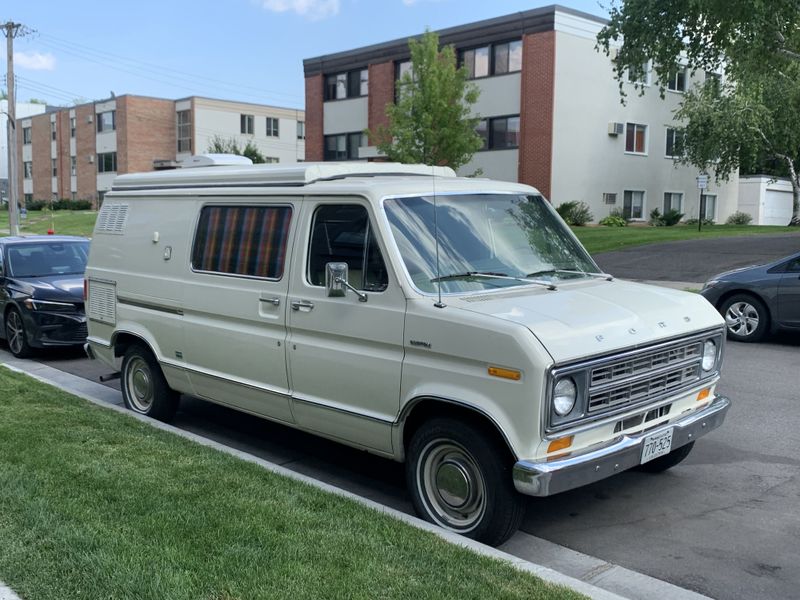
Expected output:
{"points": [[564, 395], [32, 304], [709, 355]]}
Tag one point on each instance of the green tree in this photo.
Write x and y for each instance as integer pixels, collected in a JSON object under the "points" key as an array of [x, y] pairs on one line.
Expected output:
{"points": [[431, 123], [749, 116], [219, 145]]}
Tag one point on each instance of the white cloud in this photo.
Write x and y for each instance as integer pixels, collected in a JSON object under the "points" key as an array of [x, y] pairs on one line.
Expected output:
{"points": [[36, 61], [311, 9], [413, 2]]}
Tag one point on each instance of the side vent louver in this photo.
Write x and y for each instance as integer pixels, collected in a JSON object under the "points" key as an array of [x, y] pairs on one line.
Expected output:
{"points": [[102, 305], [112, 218]]}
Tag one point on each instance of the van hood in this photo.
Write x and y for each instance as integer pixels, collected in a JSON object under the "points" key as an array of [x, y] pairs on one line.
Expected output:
{"points": [[583, 319]]}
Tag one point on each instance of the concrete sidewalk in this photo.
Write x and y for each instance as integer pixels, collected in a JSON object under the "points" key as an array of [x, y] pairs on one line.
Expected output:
{"points": [[588, 575], [6, 593]]}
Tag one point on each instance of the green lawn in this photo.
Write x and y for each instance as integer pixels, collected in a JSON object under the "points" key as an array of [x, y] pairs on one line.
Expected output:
{"points": [[605, 239], [63, 222], [94, 504]]}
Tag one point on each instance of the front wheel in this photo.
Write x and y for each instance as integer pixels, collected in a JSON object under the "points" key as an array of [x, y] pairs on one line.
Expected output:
{"points": [[144, 388], [461, 480], [16, 336]]}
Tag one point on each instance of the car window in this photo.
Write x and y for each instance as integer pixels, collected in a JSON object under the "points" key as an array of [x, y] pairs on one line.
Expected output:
{"points": [[343, 233], [47, 259], [793, 266]]}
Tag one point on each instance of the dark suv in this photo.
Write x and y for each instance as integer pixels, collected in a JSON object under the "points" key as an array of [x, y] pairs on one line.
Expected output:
{"points": [[41, 292]]}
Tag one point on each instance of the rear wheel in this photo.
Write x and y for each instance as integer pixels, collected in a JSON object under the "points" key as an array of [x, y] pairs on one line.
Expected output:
{"points": [[746, 318], [144, 388], [662, 463], [461, 480], [16, 336]]}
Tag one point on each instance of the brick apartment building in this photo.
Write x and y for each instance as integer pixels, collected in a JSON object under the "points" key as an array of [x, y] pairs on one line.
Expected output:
{"points": [[550, 108], [76, 152]]}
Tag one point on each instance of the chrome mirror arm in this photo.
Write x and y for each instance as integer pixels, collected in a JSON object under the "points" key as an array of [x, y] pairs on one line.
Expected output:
{"points": [[362, 297]]}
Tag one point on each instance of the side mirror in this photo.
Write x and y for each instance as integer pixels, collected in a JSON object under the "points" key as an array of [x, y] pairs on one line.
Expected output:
{"points": [[336, 281], [335, 278]]}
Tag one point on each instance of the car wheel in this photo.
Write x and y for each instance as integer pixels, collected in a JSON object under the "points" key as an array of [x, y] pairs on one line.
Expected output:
{"points": [[462, 481], [746, 318], [662, 463], [16, 336], [144, 388]]}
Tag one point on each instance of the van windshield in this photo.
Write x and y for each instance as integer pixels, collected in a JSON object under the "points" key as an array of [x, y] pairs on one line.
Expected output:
{"points": [[486, 241]]}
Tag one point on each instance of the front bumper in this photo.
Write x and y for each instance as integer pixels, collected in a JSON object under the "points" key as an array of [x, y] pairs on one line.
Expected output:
{"points": [[551, 477], [47, 329]]}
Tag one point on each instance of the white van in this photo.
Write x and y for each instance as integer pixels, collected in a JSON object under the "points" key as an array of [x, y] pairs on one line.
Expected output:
{"points": [[455, 324]]}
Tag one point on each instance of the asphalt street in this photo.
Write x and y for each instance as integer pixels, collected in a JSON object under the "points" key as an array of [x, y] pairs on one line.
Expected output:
{"points": [[723, 523], [696, 260]]}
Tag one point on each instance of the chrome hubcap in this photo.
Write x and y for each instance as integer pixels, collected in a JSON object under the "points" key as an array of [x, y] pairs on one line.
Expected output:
{"points": [[452, 485], [742, 318], [15, 332], [139, 384]]}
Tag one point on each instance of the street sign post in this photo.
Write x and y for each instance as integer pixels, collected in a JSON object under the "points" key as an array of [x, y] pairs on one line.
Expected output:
{"points": [[702, 184]]}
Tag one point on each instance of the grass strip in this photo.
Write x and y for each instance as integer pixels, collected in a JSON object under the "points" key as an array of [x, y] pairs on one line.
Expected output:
{"points": [[63, 222], [607, 239], [94, 504]]}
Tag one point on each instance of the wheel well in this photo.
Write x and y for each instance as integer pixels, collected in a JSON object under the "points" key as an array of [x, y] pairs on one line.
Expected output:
{"points": [[724, 298], [123, 341], [431, 408]]}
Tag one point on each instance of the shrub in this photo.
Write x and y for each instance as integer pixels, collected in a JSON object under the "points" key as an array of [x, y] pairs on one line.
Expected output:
{"points": [[575, 213], [739, 218], [693, 221], [668, 219], [36, 204], [614, 221]]}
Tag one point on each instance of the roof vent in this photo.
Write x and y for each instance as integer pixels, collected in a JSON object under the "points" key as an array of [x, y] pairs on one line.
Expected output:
{"points": [[215, 160]]}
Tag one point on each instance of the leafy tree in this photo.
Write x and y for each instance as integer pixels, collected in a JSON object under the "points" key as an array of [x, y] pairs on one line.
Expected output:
{"points": [[750, 116], [431, 121], [219, 145]]}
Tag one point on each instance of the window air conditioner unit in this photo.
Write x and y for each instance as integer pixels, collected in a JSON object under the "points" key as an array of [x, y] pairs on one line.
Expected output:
{"points": [[91, 158], [616, 128], [90, 119]]}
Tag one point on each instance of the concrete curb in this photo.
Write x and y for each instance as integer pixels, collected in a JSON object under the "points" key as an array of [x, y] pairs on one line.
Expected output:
{"points": [[591, 576]]}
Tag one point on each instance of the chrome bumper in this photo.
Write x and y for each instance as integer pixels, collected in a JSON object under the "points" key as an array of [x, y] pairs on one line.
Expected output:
{"points": [[551, 477]]}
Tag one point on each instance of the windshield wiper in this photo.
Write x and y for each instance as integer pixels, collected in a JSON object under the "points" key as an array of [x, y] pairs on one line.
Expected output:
{"points": [[491, 275], [605, 276]]}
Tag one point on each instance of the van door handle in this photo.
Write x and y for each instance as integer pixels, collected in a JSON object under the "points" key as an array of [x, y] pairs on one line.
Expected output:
{"points": [[275, 300], [304, 305]]}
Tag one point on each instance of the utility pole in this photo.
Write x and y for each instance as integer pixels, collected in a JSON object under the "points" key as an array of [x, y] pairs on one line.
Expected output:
{"points": [[11, 31]]}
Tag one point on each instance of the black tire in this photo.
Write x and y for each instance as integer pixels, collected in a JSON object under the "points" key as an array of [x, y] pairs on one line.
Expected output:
{"points": [[746, 318], [662, 463], [144, 388], [16, 336], [481, 501]]}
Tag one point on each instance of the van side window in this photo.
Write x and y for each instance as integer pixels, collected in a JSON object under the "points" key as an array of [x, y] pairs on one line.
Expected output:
{"points": [[242, 240], [342, 233]]}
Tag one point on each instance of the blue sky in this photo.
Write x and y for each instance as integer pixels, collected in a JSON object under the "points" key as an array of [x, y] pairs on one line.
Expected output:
{"points": [[247, 50]]}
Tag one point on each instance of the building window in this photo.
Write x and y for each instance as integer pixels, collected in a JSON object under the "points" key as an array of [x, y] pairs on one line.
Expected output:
{"points": [[272, 127], [247, 123], [499, 133], [677, 81], [609, 198], [352, 84], [633, 204], [261, 234], [72, 125], [643, 77], [28, 198], [301, 130], [271, 160], [476, 62], [636, 138], [55, 197], [27, 168], [52, 130], [183, 119], [106, 121], [73, 165], [401, 68], [107, 162], [673, 201], [709, 206], [26, 135], [483, 131], [73, 196], [507, 57], [54, 164], [344, 146], [674, 146]]}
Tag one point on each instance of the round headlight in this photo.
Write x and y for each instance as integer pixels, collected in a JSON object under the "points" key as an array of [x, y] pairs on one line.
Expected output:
{"points": [[564, 395], [709, 355]]}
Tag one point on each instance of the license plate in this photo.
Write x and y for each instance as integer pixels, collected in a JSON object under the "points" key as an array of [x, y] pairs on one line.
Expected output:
{"points": [[657, 445]]}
